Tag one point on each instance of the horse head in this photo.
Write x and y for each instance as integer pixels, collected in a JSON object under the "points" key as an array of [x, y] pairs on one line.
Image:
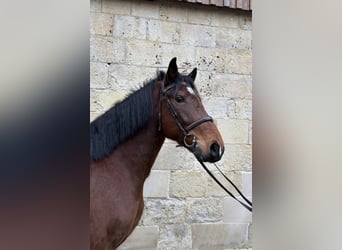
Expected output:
{"points": [[183, 117]]}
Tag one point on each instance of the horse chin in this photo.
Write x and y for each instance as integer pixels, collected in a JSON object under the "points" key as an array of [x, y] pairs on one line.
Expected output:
{"points": [[199, 154]]}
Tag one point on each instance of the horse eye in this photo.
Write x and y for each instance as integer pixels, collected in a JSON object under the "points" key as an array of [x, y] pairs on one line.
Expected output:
{"points": [[179, 98]]}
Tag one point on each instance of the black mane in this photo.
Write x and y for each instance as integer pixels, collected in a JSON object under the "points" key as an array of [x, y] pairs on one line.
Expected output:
{"points": [[122, 121]]}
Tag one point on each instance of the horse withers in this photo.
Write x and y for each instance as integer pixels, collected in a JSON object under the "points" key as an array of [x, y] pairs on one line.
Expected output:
{"points": [[125, 142]]}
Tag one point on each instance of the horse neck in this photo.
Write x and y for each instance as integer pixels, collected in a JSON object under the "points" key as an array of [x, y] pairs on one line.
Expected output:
{"points": [[139, 152]]}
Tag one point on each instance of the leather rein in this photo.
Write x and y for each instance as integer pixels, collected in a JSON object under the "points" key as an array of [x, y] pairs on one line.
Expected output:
{"points": [[185, 130]]}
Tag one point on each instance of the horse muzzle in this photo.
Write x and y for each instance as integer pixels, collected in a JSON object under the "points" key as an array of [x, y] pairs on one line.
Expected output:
{"points": [[215, 152]]}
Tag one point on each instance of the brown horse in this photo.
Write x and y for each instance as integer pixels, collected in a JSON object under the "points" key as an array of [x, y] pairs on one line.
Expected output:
{"points": [[125, 142]]}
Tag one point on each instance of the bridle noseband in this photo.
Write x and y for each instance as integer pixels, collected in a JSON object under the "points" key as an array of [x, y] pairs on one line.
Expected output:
{"points": [[185, 129]]}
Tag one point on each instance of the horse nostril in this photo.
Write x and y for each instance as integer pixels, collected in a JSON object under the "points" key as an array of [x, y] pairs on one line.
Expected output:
{"points": [[215, 150]]}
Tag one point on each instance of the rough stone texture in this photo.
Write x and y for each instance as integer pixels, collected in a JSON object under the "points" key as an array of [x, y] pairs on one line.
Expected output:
{"points": [[120, 7], [233, 131], [216, 107], [105, 49], [143, 53], [232, 86], [239, 62], [232, 212], [245, 22], [225, 18], [163, 31], [142, 238], [157, 184], [99, 75], [174, 236], [219, 236], [95, 6], [250, 130], [200, 15], [246, 179], [210, 59], [101, 24], [204, 210], [119, 79], [237, 157], [181, 187], [173, 12], [130, 27], [190, 35], [240, 109], [175, 158], [162, 211], [145, 9], [129, 41]]}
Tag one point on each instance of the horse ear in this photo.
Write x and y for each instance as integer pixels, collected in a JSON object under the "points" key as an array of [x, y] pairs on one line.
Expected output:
{"points": [[193, 74], [172, 71]]}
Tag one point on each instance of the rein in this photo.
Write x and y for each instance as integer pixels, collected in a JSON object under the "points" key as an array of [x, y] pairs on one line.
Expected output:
{"points": [[248, 207]]}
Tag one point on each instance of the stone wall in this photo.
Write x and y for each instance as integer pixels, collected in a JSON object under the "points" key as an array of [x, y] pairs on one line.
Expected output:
{"points": [[130, 40]]}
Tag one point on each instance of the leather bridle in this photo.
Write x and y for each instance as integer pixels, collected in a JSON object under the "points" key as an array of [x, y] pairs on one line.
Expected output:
{"points": [[185, 129]]}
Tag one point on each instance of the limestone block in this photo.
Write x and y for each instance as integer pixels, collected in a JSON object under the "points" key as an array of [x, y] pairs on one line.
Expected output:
{"points": [[120, 7], [162, 211], [239, 62], [101, 101], [250, 132], [244, 109], [129, 77], [237, 157], [225, 18], [173, 12], [163, 31], [174, 236], [215, 190], [101, 24], [107, 49], [233, 38], [95, 106], [232, 86], [95, 5], [219, 236], [197, 35], [171, 157], [210, 59], [200, 15], [204, 210], [234, 212], [145, 9], [204, 83], [130, 27], [216, 107], [239, 109], [233, 131], [188, 184], [185, 56], [142, 238], [157, 184], [246, 178], [99, 75], [143, 53], [245, 22]]}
